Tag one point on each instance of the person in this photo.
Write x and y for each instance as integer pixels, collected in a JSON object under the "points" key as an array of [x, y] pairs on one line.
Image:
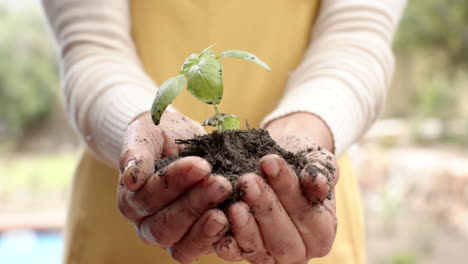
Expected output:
{"points": [[332, 64]]}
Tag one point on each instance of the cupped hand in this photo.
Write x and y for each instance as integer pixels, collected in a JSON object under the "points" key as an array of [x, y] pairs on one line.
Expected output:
{"points": [[284, 217], [171, 208]]}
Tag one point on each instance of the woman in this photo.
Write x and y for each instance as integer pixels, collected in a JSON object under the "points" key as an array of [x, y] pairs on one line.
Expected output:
{"points": [[114, 53]]}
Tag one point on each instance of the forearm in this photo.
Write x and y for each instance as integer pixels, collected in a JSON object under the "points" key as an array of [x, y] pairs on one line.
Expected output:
{"points": [[105, 86], [347, 68]]}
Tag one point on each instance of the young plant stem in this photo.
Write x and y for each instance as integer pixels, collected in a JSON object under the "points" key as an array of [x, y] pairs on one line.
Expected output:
{"points": [[216, 109], [219, 125]]}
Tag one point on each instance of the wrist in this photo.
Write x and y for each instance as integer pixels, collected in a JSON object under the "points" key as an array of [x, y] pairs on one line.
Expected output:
{"points": [[302, 124]]}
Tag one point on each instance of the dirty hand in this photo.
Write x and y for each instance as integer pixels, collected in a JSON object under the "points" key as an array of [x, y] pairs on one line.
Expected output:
{"points": [[286, 219], [173, 209]]}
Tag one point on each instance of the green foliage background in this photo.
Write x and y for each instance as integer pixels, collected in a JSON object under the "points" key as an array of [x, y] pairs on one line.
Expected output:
{"points": [[28, 72], [430, 25], [434, 35]]}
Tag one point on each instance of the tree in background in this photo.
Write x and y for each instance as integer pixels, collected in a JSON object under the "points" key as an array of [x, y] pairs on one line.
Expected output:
{"points": [[28, 74], [435, 33], [436, 25]]}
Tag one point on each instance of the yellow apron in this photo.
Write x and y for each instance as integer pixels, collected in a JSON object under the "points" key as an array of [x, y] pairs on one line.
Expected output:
{"points": [[165, 33]]}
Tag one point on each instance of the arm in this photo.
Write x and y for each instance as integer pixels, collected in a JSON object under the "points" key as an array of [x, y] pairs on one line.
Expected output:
{"points": [[105, 84], [346, 71]]}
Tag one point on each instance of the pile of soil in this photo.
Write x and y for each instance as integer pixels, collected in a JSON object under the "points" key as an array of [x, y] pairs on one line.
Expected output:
{"points": [[233, 153]]}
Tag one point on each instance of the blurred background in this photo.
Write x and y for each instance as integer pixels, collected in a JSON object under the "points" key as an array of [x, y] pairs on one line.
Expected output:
{"points": [[413, 164]]}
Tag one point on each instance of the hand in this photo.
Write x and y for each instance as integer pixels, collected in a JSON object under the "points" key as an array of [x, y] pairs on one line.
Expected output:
{"points": [[173, 208], [286, 219]]}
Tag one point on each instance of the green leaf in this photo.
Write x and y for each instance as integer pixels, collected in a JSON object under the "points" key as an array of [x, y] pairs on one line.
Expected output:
{"points": [[205, 80], [244, 55], [229, 122], [207, 52], [189, 62], [223, 122], [165, 95], [195, 59]]}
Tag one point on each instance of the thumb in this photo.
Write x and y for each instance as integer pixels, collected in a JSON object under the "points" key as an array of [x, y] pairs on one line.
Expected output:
{"points": [[142, 145]]}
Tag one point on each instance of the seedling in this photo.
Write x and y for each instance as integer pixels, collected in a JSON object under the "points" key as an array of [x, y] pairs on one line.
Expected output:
{"points": [[203, 74]]}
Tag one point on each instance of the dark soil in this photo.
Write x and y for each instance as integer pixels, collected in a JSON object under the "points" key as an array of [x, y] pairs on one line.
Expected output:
{"points": [[235, 152]]}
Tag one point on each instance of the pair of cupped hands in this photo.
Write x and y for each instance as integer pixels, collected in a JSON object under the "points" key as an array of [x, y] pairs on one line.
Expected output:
{"points": [[281, 218]]}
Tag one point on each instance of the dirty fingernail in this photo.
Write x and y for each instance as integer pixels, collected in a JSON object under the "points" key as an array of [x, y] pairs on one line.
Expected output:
{"points": [[271, 168], [130, 176], [217, 190], [213, 228], [253, 190], [132, 173], [129, 164], [225, 242]]}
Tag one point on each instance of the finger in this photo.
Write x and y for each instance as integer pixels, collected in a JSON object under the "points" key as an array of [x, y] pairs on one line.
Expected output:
{"points": [[248, 235], [321, 214], [280, 236], [316, 225], [163, 188], [283, 180], [142, 146], [199, 241], [228, 249], [168, 226], [315, 185], [319, 177]]}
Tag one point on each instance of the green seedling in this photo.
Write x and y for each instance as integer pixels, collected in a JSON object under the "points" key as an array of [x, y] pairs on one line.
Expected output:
{"points": [[203, 74]]}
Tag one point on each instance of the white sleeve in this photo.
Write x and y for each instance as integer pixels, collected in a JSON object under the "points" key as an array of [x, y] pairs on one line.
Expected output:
{"points": [[347, 68], [105, 85]]}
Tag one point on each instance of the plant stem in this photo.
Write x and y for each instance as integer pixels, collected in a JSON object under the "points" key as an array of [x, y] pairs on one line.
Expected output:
{"points": [[216, 109], [215, 106]]}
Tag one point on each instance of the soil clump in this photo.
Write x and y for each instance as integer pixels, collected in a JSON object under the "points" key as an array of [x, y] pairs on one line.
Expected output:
{"points": [[233, 153]]}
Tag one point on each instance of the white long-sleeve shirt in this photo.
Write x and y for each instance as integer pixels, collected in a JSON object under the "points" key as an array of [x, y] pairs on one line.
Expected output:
{"points": [[343, 77]]}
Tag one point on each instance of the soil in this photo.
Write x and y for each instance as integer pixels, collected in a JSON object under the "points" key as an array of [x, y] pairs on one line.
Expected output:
{"points": [[233, 153]]}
